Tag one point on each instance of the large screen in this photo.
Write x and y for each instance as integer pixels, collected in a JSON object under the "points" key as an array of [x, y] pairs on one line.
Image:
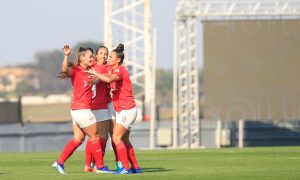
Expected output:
{"points": [[252, 70]]}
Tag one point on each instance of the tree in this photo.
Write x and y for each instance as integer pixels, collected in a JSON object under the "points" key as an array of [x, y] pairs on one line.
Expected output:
{"points": [[164, 87], [22, 88], [49, 65]]}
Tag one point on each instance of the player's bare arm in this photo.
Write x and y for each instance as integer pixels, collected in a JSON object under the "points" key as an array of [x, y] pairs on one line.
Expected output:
{"points": [[108, 78], [65, 65]]}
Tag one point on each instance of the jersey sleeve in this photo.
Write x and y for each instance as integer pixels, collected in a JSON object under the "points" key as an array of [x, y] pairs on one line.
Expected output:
{"points": [[73, 71], [118, 72]]}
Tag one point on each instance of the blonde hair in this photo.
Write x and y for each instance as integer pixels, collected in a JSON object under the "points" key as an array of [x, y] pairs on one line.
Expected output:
{"points": [[79, 52]]}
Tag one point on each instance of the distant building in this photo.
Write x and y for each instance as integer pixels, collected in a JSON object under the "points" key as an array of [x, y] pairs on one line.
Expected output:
{"points": [[10, 77]]}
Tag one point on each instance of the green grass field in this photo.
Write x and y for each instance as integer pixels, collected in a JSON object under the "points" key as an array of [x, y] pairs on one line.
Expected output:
{"points": [[228, 163]]}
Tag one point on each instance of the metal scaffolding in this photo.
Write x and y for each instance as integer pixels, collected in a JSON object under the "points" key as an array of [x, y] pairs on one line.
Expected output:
{"points": [[189, 15], [186, 86], [129, 22], [231, 9]]}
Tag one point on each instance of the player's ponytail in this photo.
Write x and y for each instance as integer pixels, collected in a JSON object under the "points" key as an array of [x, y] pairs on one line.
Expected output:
{"points": [[120, 52]]}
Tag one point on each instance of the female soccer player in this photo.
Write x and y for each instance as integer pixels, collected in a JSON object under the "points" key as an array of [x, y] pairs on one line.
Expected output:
{"points": [[102, 54], [99, 106], [102, 108], [84, 122], [125, 108]]}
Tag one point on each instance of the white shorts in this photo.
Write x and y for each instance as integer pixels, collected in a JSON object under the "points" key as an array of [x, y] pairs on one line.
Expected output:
{"points": [[83, 117], [102, 115], [126, 117], [111, 110]]}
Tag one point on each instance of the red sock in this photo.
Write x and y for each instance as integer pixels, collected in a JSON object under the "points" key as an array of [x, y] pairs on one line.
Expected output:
{"points": [[70, 147], [115, 151], [131, 156], [97, 152], [103, 145], [122, 153], [88, 154]]}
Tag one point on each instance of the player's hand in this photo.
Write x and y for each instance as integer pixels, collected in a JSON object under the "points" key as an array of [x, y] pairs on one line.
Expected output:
{"points": [[91, 71], [67, 50], [93, 81]]}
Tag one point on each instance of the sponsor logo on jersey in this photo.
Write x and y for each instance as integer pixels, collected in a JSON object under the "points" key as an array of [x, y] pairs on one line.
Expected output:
{"points": [[117, 70]]}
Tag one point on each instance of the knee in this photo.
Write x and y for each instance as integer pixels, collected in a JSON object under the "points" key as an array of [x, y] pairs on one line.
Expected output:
{"points": [[94, 137], [79, 139], [116, 139]]}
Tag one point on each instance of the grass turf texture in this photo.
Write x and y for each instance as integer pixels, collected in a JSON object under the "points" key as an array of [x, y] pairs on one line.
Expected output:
{"points": [[229, 163]]}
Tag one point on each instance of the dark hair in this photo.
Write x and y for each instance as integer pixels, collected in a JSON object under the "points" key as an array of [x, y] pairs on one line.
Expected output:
{"points": [[120, 52], [80, 49], [100, 47], [90, 50]]}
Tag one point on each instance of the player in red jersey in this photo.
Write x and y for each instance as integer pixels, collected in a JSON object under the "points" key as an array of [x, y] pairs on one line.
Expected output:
{"points": [[102, 54], [125, 108], [99, 105], [105, 116], [84, 122]]}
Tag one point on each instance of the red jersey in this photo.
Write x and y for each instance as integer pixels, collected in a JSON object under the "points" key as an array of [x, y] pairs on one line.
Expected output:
{"points": [[100, 99], [109, 70], [82, 94], [122, 93]]}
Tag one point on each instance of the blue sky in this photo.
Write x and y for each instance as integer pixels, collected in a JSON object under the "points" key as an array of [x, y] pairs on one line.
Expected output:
{"points": [[34, 25]]}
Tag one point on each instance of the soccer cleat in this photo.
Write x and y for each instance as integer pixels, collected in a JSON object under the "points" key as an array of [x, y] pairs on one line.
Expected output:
{"points": [[136, 171], [124, 171], [59, 167], [119, 165], [104, 170]]}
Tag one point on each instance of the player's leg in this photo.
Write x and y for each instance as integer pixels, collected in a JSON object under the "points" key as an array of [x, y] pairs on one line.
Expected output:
{"points": [[112, 125], [131, 154], [103, 127], [69, 148], [119, 132], [124, 122], [95, 147], [117, 159], [103, 130]]}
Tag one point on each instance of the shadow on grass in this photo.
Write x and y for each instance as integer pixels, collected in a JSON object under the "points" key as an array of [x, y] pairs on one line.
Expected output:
{"points": [[155, 170], [144, 170]]}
